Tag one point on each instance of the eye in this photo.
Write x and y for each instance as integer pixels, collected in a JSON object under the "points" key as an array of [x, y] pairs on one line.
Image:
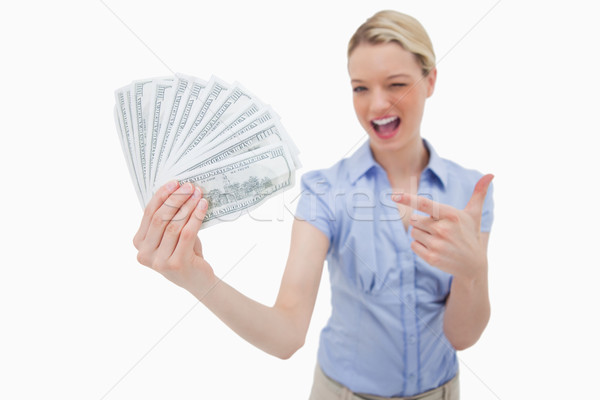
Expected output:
{"points": [[359, 89], [399, 84]]}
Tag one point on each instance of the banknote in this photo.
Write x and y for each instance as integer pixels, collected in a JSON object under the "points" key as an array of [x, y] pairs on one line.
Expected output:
{"points": [[125, 127], [219, 136], [196, 88], [256, 138], [166, 127], [240, 184], [160, 97], [215, 89]]}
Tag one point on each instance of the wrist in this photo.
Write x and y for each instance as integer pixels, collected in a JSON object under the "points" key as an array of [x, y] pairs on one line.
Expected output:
{"points": [[207, 282], [476, 276]]}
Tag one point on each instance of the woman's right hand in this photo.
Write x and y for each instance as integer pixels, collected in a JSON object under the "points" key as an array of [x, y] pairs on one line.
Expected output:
{"points": [[167, 240]]}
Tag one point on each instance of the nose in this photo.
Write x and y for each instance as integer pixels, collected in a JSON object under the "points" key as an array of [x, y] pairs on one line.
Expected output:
{"points": [[381, 102]]}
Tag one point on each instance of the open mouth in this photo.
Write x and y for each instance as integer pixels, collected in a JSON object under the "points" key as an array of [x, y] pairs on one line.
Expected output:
{"points": [[385, 127]]}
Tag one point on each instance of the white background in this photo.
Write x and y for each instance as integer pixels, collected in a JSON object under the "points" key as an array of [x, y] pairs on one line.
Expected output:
{"points": [[80, 319]]}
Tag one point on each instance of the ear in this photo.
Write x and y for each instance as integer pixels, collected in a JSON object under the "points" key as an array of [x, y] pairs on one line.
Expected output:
{"points": [[431, 78]]}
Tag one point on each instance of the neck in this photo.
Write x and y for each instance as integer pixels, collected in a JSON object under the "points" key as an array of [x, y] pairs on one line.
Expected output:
{"points": [[403, 163]]}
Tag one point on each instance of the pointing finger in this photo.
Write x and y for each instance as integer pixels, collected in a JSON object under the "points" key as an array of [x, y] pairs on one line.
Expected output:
{"points": [[428, 206]]}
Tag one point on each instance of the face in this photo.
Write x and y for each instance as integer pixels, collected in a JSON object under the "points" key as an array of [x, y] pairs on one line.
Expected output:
{"points": [[389, 92]]}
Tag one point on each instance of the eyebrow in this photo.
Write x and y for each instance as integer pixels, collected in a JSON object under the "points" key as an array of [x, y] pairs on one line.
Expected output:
{"points": [[398, 76], [389, 77]]}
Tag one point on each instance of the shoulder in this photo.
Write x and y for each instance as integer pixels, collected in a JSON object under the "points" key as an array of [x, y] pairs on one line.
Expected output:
{"points": [[459, 176], [455, 178], [331, 178], [459, 185], [317, 200]]}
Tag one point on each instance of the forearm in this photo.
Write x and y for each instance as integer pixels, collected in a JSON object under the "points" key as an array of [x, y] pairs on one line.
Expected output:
{"points": [[467, 310], [168, 243], [268, 328]]}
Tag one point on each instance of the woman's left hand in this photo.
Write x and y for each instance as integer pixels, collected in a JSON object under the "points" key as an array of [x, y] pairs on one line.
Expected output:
{"points": [[448, 238]]}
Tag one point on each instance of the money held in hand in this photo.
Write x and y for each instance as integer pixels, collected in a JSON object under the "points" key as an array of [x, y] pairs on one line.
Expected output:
{"points": [[216, 135]]}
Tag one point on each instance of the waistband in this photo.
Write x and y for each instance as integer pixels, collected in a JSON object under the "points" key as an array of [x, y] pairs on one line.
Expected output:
{"points": [[447, 391]]}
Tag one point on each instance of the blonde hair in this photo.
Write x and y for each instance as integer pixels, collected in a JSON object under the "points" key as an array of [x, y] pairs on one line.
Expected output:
{"points": [[392, 26]]}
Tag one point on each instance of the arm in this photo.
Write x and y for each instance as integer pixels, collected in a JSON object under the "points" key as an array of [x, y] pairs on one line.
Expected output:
{"points": [[279, 330], [452, 241], [167, 242], [468, 307]]}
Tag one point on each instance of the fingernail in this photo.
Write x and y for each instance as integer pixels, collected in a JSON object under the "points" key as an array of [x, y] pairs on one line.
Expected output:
{"points": [[397, 197], [203, 204], [197, 193], [172, 185]]}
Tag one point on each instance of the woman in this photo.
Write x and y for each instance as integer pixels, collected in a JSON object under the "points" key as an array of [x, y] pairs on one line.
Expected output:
{"points": [[408, 270]]}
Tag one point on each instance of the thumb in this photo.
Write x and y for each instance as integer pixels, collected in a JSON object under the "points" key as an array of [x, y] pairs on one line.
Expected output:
{"points": [[475, 204]]}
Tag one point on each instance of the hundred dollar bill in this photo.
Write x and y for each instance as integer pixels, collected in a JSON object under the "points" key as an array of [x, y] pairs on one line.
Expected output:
{"points": [[259, 137], [127, 152], [215, 88], [125, 124], [264, 118], [164, 135], [141, 104], [160, 96], [222, 128], [194, 90], [233, 110], [240, 184], [234, 102], [217, 135]]}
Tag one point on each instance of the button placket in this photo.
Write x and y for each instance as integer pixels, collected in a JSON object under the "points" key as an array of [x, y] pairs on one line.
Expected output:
{"points": [[410, 320]]}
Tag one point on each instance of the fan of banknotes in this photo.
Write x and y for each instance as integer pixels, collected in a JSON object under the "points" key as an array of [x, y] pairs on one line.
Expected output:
{"points": [[218, 136]]}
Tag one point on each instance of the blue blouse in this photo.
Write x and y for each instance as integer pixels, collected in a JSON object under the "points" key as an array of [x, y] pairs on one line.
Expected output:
{"points": [[385, 334]]}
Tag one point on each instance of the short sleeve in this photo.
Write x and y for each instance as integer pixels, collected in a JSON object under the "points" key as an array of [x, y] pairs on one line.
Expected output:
{"points": [[487, 217], [314, 205]]}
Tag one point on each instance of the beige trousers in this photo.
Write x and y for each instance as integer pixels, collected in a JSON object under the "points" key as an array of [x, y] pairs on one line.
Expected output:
{"points": [[325, 388]]}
